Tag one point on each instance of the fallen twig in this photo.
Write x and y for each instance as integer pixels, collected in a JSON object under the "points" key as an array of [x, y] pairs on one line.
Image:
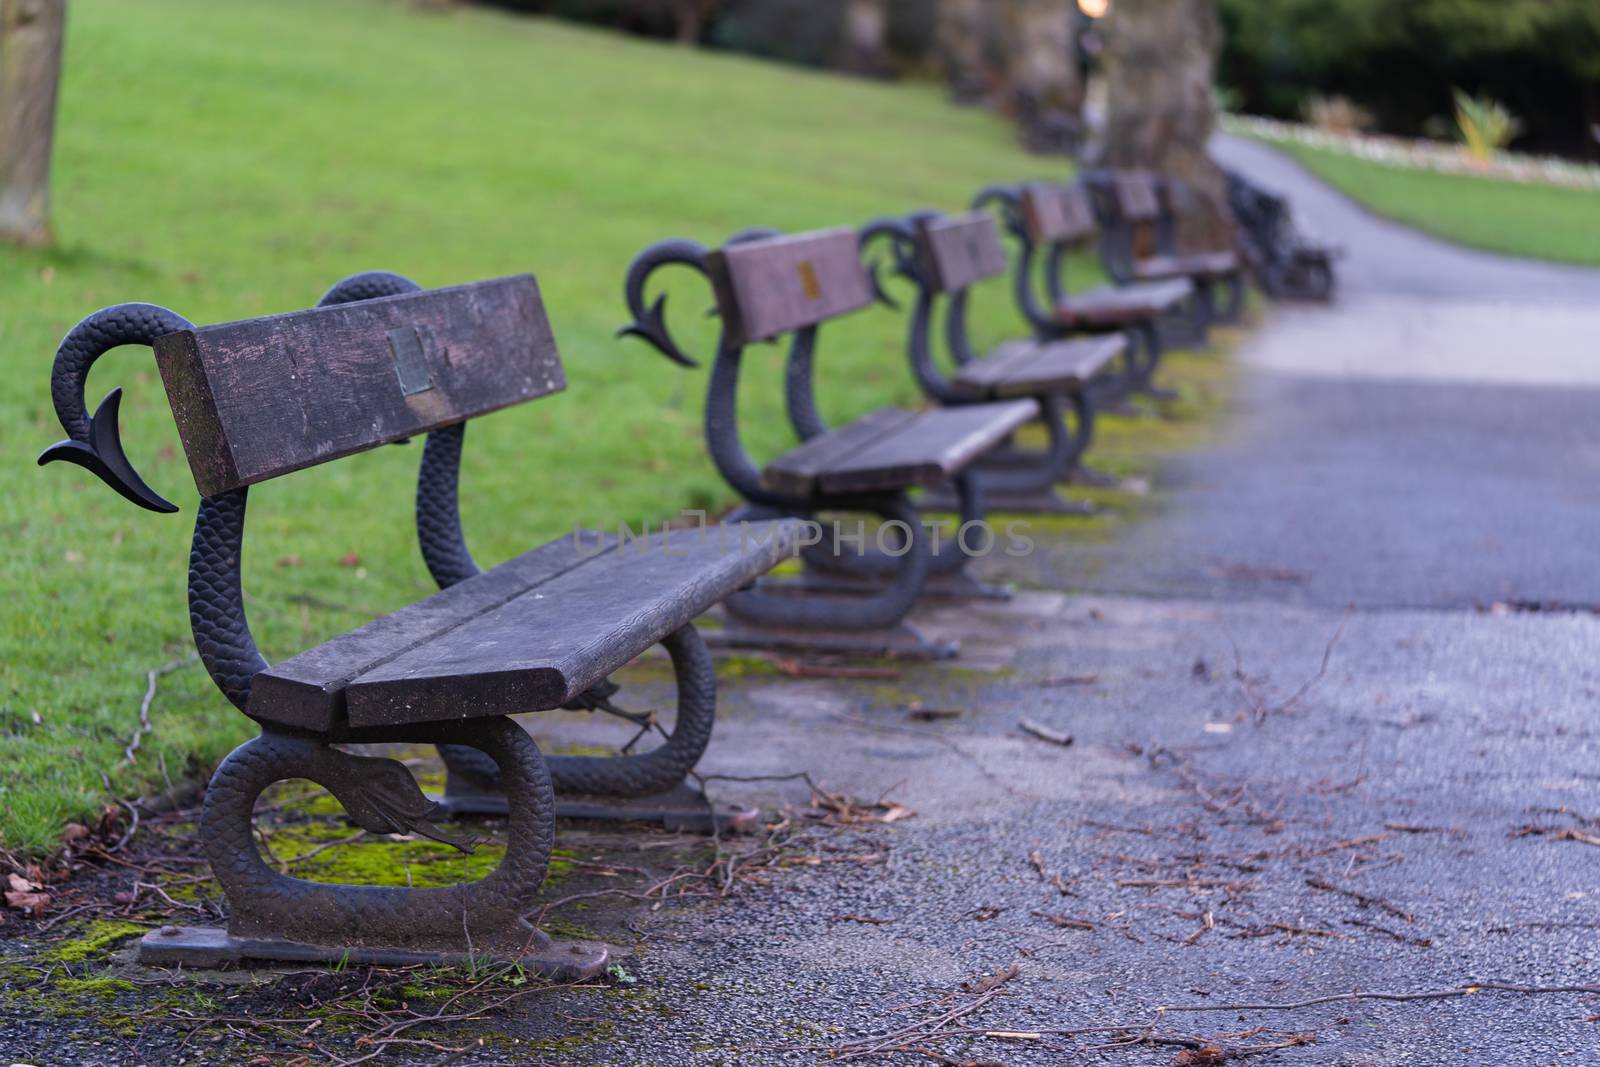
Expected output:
{"points": [[1044, 733], [151, 677]]}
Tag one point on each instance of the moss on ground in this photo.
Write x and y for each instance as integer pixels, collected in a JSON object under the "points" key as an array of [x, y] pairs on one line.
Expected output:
{"points": [[93, 939]]}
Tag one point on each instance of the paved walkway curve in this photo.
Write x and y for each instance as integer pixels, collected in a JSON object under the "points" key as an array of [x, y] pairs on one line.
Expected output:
{"points": [[1431, 439]]}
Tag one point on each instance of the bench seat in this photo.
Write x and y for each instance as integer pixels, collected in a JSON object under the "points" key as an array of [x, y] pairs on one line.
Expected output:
{"points": [[1029, 368], [1189, 265], [1117, 306], [893, 449], [528, 635]]}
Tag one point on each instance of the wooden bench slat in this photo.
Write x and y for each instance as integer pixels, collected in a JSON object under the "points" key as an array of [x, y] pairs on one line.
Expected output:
{"points": [[892, 449], [924, 452], [962, 250], [796, 471], [1188, 265], [263, 397], [308, 689], [777, 284], [1111, 305], [1029, 368], [551, 642]]}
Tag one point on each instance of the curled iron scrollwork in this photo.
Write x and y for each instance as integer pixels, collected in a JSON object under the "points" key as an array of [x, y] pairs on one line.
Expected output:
{"points": [[94, 443], [650, 320]]}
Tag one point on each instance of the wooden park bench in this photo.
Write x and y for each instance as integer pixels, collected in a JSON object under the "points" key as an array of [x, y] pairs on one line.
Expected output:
{"points": [[1050, 221], [945, 258], [1139, 242], [378, 362], [767, 286], [1287, 263]]}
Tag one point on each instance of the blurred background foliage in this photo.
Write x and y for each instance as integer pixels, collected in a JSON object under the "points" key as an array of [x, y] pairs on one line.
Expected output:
{"points": [[1399, 61]]}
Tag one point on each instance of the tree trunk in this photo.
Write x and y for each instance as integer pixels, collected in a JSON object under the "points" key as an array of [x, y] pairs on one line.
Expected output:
{"points": [[31, 32], [1042, 73], [689, 19], [1160, 59], [970, 37], [866, 31]]}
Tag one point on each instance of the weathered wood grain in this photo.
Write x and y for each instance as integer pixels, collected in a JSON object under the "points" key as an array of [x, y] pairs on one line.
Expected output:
{"points": [[262, 397], [308, 689], [962, 250], [1032, 368], [589, 601], [551, 642], [796, 471], [892, 449], [768, 287]]}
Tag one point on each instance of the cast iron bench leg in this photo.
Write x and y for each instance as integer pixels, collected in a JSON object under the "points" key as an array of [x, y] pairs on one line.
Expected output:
{"points": [[648, 787], [276, 917], [773, 618], [854, 573]]}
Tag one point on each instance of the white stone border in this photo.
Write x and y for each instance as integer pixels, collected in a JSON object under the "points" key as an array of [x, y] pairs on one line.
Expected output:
{"points": [[1422, 155]]}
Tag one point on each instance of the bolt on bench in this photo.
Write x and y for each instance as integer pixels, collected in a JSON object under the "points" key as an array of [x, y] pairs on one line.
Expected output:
{"points": [[944, 258], [381, 362], [767, 285], [1139, 243]]}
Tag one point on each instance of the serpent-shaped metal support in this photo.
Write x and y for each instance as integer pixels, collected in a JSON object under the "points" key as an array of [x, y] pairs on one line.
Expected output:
{"points": [[473, 785], [789, 616], [274, 916]]}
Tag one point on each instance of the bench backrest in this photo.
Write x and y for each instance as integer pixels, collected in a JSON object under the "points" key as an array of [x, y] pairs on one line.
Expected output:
{"points": [[961, 250], [773, 285], [1057, 214], [263, 397], [1137, 195]]}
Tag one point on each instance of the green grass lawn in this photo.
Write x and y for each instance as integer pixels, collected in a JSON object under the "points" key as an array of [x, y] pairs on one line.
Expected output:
{"points": [[1514, 218], [232, 158]]}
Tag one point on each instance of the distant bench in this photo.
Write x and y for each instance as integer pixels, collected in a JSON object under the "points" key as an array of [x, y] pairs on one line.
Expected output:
{"points": [[1286, 263], [379, 362], [769, 286], [1050, 221], [1139, 223], [945, 258]]}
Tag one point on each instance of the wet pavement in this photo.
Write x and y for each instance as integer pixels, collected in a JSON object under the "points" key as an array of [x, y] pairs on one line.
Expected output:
{"points": [[1323, 741]]}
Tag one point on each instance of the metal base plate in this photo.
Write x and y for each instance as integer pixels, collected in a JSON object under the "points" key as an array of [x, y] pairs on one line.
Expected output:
{"points": [[898, 642], [681, 808], [211, 946], [1035, 502]]}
